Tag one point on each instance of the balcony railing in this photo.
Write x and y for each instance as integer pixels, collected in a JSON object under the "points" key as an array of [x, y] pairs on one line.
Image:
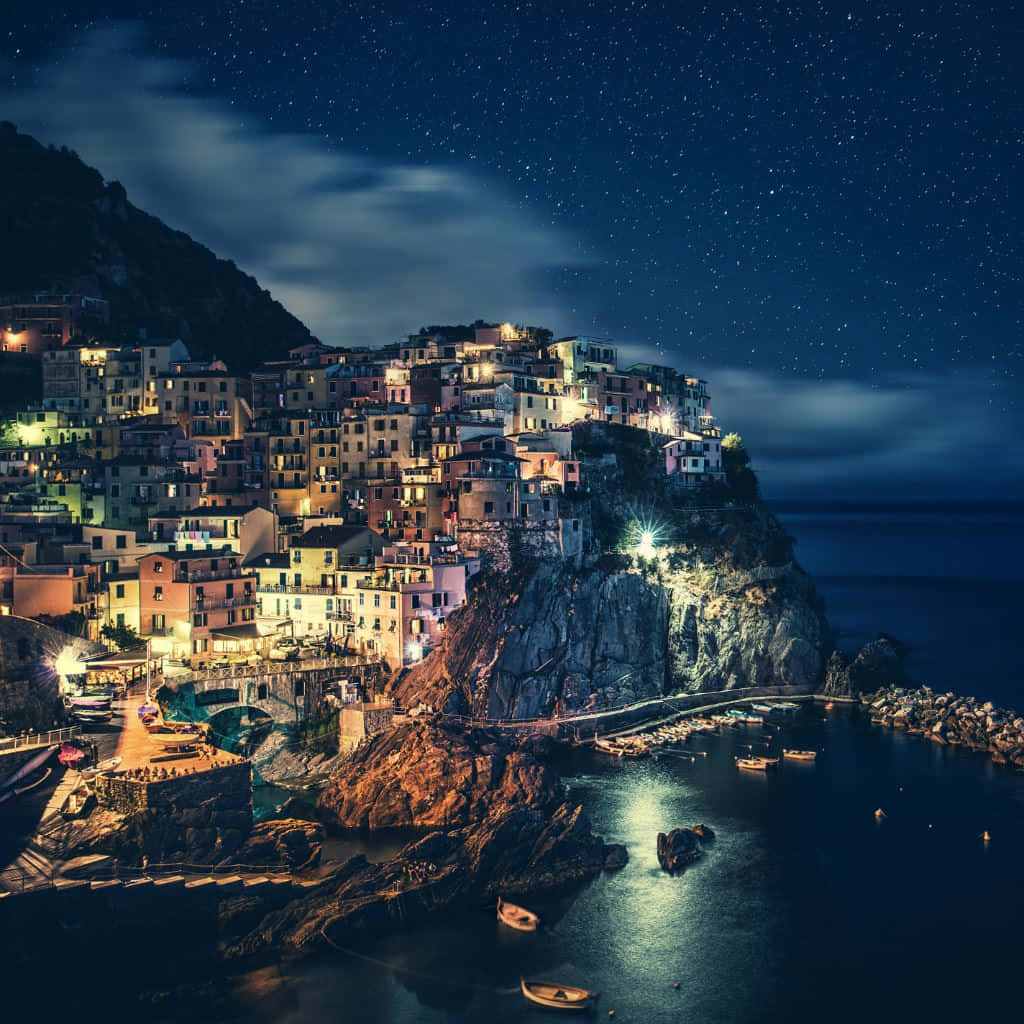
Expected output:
{"points": [[205, 604], [287, 588], [199, 575], [342, 616]]}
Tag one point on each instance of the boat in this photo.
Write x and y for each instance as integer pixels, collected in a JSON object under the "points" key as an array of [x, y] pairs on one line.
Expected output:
{"points": [[109, 765], [16, 783], [765, 709], [754, 764], [71, 756], [77, 801], [92, 714], [745, 717], [799, 755], [829, 706], [557, 997], [175, 739], [786, 705], [519, 918], [147, 709], [18, 790]]}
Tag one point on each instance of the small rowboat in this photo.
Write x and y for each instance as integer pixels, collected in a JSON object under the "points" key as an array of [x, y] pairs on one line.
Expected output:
{"points": [[753, 764], [517, 917], [109, 765], [799, 755], [175, 739], [557, 997], [765, 709]]}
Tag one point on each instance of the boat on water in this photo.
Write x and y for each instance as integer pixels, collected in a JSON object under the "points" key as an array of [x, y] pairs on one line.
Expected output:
{"points": [[765, 709], [799, 755], [557, 997], [829, 706], [519, 918], [620, 748], [739, 715], [786, 705], [24, 778], [752, 764]]}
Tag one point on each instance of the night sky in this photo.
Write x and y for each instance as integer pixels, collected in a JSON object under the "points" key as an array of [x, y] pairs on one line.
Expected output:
{"points": [[816, 206]]}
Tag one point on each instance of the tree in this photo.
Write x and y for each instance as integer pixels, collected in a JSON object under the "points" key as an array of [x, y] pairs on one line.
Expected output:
{"points": [[122, 636], [736, 463]]}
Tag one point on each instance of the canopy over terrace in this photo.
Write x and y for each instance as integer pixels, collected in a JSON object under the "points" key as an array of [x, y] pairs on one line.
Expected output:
{"points": [[245, 638], [119, 668]]}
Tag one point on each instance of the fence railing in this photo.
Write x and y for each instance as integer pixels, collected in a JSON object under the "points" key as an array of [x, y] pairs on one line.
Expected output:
{"points": [[38, 739]]}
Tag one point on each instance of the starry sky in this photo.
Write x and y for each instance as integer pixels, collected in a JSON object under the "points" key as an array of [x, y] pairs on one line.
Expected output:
{"points": [[818, 206]]}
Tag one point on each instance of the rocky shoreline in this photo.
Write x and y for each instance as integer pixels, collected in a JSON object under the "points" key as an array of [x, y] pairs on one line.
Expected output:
{"points": [[948, 719], [495, 821]]}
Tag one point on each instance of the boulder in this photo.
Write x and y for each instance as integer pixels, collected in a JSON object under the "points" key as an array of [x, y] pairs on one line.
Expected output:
{"points": [[616, 856], [289, 843], [677, 849]]}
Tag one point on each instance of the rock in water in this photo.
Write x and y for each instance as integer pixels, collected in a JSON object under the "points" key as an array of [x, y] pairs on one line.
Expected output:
{"points": [[704, 832], [287, 843], [677, 849], [877, 664], [616, 856]]}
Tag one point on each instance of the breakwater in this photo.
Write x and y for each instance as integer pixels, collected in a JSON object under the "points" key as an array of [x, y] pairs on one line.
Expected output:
{"points": [[948, 719]]}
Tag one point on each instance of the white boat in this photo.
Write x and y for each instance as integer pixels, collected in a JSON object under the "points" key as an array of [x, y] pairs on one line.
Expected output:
{"points": [[766, 709], [175, 739], [18, 783], [519, 918], [752, 764], [557, 997], [799, 755], [109, 765], [787, 705]]}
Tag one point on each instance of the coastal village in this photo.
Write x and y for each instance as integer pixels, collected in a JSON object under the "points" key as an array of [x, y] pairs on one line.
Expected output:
{"points": [[194, 559], [334, 501]]}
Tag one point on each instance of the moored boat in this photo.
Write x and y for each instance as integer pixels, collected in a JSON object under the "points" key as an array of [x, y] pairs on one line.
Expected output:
{"points": [[753, 764], [557, 997], [799, 755], [787, 705], [765, 709], [519, 918]]}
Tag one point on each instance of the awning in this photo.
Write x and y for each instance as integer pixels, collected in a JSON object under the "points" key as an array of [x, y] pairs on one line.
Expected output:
{"points": [[246, 631], [130, 658]]}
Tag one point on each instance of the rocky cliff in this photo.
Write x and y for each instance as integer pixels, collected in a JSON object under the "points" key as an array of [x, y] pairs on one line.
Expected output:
{"points": [[717, 603], [500, 825]]}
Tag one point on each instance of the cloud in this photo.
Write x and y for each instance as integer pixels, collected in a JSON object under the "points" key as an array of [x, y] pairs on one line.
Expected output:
{"points": [[921, 436], [362, 250]]}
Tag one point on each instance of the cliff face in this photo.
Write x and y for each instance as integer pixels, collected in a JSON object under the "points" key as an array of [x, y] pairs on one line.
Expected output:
{"points": [[721, 605]]}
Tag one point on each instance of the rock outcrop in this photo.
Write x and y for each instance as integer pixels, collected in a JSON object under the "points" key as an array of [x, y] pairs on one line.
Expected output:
{"points": [[425, 774], [877, 664], [500, 825], [677, 849], [286, 843]]}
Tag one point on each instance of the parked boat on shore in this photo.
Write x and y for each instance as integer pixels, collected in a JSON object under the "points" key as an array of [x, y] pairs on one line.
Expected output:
{"points": [[557, 997], [513, 916]]}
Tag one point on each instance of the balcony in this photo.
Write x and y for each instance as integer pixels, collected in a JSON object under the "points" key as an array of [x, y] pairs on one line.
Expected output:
{"points": [[342, 616], [206, 604], [278, 588], [199, 575]]}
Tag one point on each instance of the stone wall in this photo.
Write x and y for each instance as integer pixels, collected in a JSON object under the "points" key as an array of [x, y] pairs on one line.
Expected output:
{"points": [[200, 818], [502, 545]]}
